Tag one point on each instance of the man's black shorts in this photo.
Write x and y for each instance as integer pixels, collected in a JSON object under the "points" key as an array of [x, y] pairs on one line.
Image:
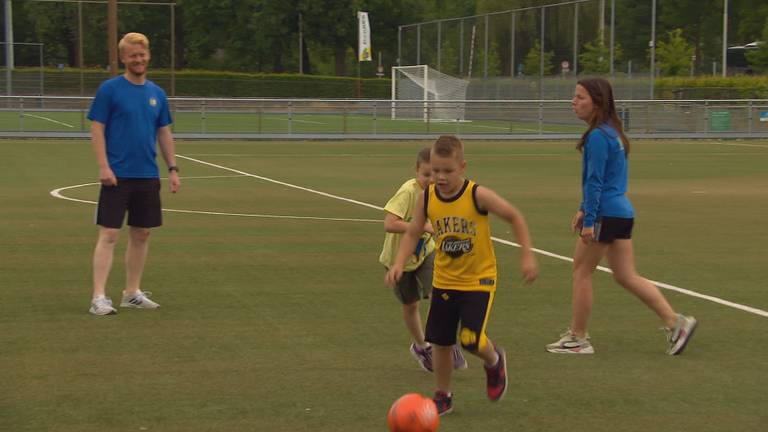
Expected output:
{"points": [[139, 197], [608, 229]]}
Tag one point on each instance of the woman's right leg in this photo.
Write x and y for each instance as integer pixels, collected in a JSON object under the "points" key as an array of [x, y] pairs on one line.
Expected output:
{"points": [[586, 257]]}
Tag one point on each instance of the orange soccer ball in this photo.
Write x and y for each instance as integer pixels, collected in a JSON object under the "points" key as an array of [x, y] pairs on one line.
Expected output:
{"points": [[413, 413]]}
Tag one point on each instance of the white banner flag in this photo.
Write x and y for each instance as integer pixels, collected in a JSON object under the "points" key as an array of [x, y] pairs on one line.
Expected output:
{"points": [[363, 37]]}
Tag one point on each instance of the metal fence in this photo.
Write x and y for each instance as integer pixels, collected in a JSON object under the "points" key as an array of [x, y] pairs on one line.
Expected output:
{"points": [[213, 118]]}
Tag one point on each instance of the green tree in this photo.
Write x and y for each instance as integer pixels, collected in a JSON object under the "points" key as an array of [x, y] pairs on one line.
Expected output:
{"points": [[596, 57], [531, 65], [675, 54], [703, 24], [494, 60], [750, 17], [758, 59]]}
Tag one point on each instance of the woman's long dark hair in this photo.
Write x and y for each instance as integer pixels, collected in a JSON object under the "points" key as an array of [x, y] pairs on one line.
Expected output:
{"points": [[600, 91]]}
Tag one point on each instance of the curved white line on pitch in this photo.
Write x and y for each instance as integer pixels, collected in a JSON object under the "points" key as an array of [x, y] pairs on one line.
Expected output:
{"points": [[506, 242], [56, 193]]}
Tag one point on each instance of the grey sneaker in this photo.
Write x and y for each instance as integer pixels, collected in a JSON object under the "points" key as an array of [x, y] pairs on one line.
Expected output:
{"points": [[570, 344], [459, 362], [679, 336], [423, 356], [139, 300], [102, 306]]}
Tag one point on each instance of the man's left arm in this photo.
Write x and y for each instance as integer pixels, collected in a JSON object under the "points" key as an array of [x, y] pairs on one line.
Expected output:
{"points": [[168, 150]]}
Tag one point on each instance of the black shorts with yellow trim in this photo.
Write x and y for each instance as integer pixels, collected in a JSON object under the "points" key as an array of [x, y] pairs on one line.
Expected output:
{"points": [[449, 308]]}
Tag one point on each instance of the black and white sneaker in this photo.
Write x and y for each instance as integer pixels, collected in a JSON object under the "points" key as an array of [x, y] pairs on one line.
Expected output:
{"points": [[570, 344], [138, 300]]}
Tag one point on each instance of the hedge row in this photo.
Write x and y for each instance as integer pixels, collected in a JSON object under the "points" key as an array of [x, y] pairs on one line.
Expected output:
{"points": [[736, 87]]}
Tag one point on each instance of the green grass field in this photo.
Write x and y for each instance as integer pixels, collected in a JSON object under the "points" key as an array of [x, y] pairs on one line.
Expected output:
{"points": [[270, 122], [276, 319]]}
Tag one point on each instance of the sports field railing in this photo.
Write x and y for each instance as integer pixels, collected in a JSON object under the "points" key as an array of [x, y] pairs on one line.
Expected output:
{"points": [[219, 118]]}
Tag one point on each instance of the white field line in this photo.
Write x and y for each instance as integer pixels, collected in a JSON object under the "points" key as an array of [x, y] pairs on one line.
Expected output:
{"points": [[375, 207], [658, 284], [49, 119], [741, 145], [717, 300], [57, 194], [303, 121]]}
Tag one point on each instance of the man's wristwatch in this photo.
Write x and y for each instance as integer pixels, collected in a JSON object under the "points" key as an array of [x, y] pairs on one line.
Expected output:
{"points": [[173, 168]]}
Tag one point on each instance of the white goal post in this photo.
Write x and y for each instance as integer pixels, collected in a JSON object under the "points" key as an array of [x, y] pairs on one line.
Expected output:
{"points": [[414, 88]]}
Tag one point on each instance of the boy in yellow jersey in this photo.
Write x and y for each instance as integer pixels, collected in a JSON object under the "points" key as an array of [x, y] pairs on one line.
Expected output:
{"points": [[465, 266], [416, 282]]}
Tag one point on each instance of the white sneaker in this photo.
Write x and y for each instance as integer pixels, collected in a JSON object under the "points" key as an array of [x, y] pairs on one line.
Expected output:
{"points": [[102, 306], [570, 344], [423, 356], [679, 336], [139, 300]]}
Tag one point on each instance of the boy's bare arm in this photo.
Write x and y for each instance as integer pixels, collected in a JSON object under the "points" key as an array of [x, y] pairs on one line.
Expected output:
{"points": [[394, 223], [408, 242], [493, 203]]}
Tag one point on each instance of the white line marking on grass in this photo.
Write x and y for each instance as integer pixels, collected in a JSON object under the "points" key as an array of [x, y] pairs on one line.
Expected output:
{"points": [[57, 194], [267, 216], [742, 145], [491, 127], [304, 121], [502, 241], [49, 119], [282, 183], [658, 284]]}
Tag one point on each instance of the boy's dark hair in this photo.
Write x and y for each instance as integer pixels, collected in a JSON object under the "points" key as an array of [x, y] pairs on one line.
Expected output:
{"points": [[449, 145], [423, 156]]}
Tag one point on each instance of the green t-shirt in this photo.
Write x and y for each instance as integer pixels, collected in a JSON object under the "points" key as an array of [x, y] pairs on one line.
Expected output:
{"points": [[402, 205]]}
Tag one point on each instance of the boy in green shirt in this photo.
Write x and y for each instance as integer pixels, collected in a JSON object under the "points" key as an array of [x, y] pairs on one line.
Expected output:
{"points": [[416, 283]]}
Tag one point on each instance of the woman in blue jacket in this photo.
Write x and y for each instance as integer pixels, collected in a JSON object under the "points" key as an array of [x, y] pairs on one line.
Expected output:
{"points": [[604, 223]]}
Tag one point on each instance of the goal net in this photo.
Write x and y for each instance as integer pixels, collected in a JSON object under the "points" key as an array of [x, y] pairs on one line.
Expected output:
{"points": [[413, 87]]}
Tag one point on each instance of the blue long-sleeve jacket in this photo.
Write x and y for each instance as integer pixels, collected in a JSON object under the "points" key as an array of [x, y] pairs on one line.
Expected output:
{"points": [[604, 177]]}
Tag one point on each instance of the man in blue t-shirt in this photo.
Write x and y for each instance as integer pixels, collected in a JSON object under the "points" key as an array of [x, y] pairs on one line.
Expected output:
{"points": [[129, 116]]}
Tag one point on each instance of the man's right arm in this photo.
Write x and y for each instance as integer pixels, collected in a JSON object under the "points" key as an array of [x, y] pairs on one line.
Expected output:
{"points": [[99, 144]]}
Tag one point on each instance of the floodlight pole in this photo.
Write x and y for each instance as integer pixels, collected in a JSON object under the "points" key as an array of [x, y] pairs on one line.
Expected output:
{"points": [[112, 35], [512, 45], [613, 32], [725, 37], [653, 45], [399, 46], [485, 48], [80, 46], [418, 44], [301, 46], [461, 48], [173, 49], [8, 48], [439, 36], [541, 53], [576, 39]]}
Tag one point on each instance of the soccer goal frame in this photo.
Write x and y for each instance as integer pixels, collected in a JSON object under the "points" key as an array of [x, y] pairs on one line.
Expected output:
{"points": [[420, 92]]}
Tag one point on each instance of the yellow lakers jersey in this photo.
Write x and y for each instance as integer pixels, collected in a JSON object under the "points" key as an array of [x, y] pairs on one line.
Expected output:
{"points": [[464, 258]]}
